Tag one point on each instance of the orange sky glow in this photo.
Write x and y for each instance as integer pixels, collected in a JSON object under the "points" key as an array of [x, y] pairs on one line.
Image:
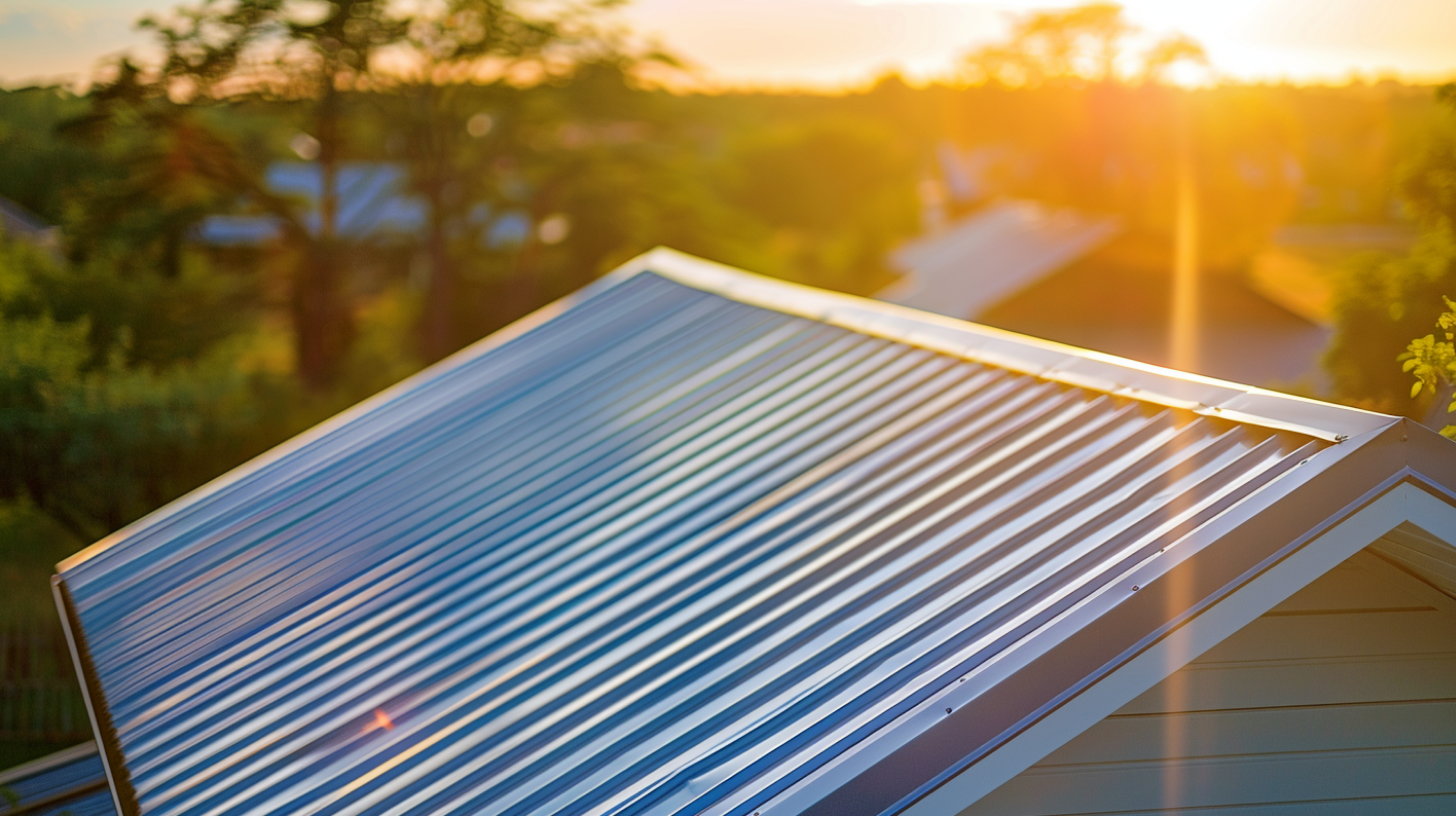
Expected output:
{"points": [[830, 44]]}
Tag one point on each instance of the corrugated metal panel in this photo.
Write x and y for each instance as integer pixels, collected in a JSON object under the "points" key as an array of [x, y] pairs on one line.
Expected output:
{"points": [[67, 783], [664, 553]]}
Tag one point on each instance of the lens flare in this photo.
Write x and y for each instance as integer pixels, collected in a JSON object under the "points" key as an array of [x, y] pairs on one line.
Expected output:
{"points": [[382, 720]]}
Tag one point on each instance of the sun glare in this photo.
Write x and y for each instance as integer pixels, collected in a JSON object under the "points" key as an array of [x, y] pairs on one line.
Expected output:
{"points": [[1301, 40]]}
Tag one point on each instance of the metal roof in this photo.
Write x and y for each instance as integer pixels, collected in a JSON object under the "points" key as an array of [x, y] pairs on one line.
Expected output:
{"points": [[690, 541], [992, 254], [67, 783]]}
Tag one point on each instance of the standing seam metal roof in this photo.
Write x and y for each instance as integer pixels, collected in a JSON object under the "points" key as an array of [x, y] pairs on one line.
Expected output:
{"points": [[681, 544]]}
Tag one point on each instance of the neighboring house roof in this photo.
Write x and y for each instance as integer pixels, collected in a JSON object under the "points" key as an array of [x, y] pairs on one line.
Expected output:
{"points": [[373, 198], [70, 782], [373, 203], [992, 254], [696, 541], [16, 221]]}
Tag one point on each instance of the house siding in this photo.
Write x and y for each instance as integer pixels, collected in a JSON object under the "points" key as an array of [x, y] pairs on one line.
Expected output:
{"points": [[1341, 700]]}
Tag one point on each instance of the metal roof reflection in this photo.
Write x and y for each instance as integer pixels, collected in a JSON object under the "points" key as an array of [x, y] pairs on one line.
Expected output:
{"points": [[661, 550], [67, 783]]}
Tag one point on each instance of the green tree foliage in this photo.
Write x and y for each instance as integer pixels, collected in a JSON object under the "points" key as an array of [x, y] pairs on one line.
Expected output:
{"points": [[1433, 363], [1382, 302], [832, 191], [312, 53], [177, 169], [36, 169], [94, 431], [451, 53], [1431, 188]]}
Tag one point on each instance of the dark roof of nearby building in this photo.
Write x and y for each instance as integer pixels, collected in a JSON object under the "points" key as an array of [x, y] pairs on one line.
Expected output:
{"points": [[17, 221], [992, 254], [691, 541], [71, 782], [373, 202]]}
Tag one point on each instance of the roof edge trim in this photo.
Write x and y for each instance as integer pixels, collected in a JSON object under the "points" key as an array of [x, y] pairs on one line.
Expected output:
{"points": [[1048, 360], [106, 744]]}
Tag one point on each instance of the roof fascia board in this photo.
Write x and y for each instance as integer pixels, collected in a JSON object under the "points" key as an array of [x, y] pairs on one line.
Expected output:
{"points": [[1040, 358], [1405, 502]]}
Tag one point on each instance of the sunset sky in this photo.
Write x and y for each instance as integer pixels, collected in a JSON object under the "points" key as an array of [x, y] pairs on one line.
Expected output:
{"points": [[827, 43]]}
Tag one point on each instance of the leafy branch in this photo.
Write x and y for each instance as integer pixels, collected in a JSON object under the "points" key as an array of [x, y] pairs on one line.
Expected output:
{"points": [[1433, 363]]}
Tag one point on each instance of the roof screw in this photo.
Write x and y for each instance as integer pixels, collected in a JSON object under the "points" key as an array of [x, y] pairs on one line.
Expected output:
{"points": [[947, 711], [1134, 587], [1341, 437]]}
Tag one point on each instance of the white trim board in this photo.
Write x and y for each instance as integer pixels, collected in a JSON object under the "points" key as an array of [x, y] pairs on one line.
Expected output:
{"points": [[1403, 503]]}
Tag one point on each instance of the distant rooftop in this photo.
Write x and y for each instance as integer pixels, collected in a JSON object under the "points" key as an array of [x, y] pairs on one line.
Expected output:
{"points": [[373, 203], [991, 255], [21, 223]]}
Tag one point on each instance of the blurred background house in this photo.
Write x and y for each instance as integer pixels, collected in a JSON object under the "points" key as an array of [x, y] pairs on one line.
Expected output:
{"points": [[1080, 278], [19, 224]]}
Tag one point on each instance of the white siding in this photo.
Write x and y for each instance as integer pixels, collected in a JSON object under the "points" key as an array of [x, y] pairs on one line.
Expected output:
{"points": [[1340, 701]]}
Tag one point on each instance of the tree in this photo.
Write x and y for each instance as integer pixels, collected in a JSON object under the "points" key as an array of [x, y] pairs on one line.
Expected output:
{"points": [[99, 425], [310, 53], [1090, 43], [1433, 363], [835, 194], [178, 168], [1381, 302], [451, 51]]}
